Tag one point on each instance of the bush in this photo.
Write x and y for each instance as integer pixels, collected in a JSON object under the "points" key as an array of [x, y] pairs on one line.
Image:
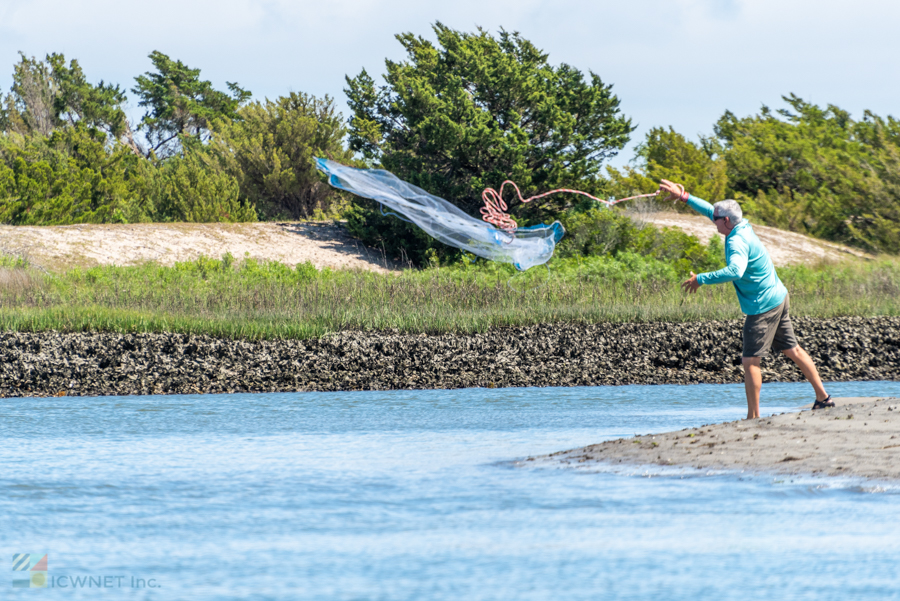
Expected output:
{"points": [[596, 232], [195, 188], [69, 177], [625, 268], [269, 150], [817, 171], [609, 232], [681, 250]]}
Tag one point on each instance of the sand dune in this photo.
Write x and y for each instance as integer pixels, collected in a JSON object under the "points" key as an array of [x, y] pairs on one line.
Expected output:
{"points": [[56, 248], [324, 244]]}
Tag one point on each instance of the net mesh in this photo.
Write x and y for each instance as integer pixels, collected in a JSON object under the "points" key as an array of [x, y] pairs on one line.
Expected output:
{"points": [[523, 247]]}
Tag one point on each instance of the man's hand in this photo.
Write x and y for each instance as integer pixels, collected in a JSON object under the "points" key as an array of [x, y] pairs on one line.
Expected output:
{"points": [[691, 284], [675, 190]]}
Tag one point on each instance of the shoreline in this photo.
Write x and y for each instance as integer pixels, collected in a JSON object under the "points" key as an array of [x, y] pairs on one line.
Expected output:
{"points": [[93, 364], [859, 437]]}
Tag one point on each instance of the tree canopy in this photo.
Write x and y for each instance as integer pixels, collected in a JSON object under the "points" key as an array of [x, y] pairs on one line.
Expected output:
{"points": [[474, 110], [180, 104], [68, 153], [71, 176], [98, 106], [47, 94], [455, 116], [667, 154], [270, 148], [803, 168], [817, 171]]}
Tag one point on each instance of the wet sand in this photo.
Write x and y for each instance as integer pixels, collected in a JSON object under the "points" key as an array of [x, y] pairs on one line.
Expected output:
{"points": [[860, 437]]}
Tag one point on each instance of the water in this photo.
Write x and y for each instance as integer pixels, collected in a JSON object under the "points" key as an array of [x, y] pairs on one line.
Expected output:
{"points": [[415, 495]]}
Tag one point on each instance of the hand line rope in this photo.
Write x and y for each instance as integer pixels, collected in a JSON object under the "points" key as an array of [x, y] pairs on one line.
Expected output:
{"points": [[494, 209]]}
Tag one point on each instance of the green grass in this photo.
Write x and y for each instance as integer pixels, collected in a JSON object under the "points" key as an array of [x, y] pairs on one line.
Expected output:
{"points": [[248, 299]]}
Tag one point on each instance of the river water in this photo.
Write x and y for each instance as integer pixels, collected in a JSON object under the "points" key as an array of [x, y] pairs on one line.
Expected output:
{"points": [[417, 495]]}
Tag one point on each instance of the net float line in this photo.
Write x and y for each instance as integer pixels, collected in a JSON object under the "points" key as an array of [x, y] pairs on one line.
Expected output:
{"points": [[494, 209]]}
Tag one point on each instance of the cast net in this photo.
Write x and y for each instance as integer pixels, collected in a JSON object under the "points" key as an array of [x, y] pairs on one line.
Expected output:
{"points": [[496, 236], [524, 247]]}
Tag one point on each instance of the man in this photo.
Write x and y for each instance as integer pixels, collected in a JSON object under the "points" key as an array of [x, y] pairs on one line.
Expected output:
{"points": [[764, 299]]}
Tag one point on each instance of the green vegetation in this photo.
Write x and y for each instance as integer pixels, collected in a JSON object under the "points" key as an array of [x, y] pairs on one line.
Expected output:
{"points": [[181, 106], [666, 154], [70, 176], [614, 235], [269, 300], [454, 117], [472, 112], [269, 150], [804, 169], [68, 154]]}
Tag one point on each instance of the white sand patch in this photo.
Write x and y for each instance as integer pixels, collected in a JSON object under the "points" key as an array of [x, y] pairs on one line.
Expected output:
{"points": [[858, 438], [324, 244], [785, 248]]}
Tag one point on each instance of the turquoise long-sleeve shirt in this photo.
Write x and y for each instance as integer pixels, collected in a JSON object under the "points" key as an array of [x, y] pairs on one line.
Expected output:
{"points": [[748, 266]]}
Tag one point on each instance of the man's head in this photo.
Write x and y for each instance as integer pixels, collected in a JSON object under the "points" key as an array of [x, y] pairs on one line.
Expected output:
{"points": [[727, 215]]}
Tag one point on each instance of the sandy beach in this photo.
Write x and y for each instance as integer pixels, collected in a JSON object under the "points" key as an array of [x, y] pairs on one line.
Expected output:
{"points": [[859, 437]]}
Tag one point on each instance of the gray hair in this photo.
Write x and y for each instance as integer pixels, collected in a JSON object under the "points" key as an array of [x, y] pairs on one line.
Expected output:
{"points": [[729, 208]]}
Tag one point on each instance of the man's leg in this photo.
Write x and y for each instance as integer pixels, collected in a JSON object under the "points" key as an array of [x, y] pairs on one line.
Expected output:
{"points": [[806, 365], [758, 334], [752, 384]]}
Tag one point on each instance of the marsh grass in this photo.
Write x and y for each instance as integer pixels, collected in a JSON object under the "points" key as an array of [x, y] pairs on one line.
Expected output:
{"points": [[16, 281], [248, 299]]}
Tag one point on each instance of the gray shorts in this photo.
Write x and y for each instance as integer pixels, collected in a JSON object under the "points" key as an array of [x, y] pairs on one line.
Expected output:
{"points": [[772, 329]]}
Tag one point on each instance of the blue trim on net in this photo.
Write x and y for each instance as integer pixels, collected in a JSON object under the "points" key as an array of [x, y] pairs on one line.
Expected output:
{"points": [[558, 230]]}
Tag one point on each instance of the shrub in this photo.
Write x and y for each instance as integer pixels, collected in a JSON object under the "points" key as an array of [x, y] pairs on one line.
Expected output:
{"points": [[69, 177], [195, 188], [269, 150], [609, 232]]}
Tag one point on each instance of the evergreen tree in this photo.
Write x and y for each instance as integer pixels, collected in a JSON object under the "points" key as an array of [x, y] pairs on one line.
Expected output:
{"points": [[99, 106], [476, 110], [270, 147], [181, 106], [71, 176], [193, 187], [817, 171]]}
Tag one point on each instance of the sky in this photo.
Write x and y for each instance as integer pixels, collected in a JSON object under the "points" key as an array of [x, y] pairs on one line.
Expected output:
{"points": [[678, 63]]}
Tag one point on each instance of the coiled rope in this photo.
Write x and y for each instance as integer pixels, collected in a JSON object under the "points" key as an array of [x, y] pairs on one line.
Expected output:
{"points": [[494, 209]]}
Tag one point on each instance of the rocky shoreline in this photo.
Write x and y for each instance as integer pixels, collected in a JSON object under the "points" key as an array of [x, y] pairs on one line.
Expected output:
{"points": [[89, 364]]}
